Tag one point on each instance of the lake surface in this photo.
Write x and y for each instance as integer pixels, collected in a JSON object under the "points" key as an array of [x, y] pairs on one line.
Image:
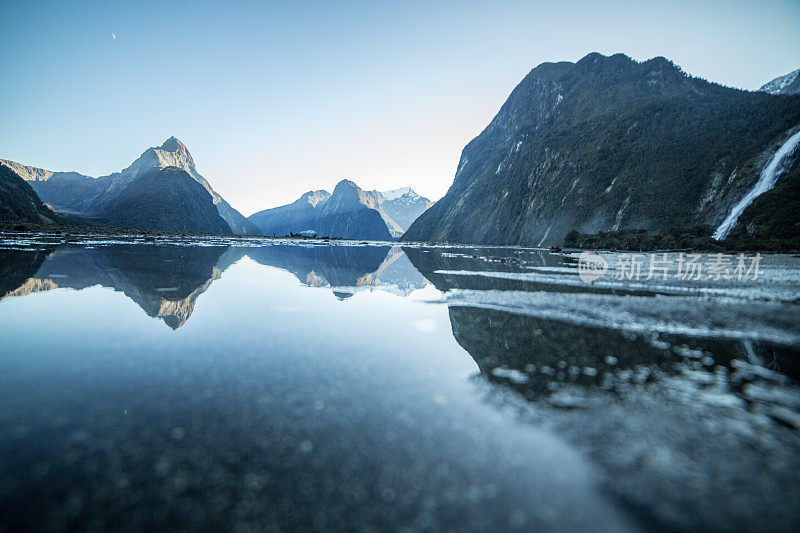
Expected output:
{"points": [[264, 384]]}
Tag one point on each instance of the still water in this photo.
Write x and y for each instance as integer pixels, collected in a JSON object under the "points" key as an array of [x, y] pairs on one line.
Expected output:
{"points": [[250, 385]]}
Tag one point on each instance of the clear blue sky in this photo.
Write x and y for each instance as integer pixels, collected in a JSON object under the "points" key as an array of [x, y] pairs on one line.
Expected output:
{"points": [[276, 99]]}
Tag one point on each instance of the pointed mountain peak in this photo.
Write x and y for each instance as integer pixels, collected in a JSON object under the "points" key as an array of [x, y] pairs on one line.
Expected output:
{"points": [[174, 145], [345, 183], [172, 153]]}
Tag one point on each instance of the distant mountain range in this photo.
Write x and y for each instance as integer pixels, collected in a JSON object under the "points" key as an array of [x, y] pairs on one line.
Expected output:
{"points": [[298, 217], [606, 144], [350, 212], [404, 206], [157, 192], [89, 197], [609, 143]]}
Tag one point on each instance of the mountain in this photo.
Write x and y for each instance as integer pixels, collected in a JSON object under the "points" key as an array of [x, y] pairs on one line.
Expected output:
{"points": [[70, 192], [609, 143], [404, 206], [352, 213], [349, 213], [786, 84], [75, 193], [164, 199], [19, 202], [174, 153], [297, 217]]}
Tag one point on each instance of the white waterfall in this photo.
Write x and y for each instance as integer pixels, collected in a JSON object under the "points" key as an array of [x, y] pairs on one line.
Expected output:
{"points": [[765, 182]]}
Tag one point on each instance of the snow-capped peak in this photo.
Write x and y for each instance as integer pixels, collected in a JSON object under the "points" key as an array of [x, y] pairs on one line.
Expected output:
{"points": [[397, 193], [780, 84]]}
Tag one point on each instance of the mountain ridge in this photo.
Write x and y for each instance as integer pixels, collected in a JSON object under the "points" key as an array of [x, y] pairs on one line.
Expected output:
{"points": [[786, 84], [83, 195], [298, 217], [404, 206], [397, 211], [19, 203], [607, 143]]}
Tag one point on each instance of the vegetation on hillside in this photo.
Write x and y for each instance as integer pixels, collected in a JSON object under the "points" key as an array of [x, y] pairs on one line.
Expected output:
{"points": [[608, 143], [165, 199], [19, 202]]}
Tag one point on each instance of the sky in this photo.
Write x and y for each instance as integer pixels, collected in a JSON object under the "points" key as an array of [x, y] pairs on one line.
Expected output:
{"points": [[275, 99]]}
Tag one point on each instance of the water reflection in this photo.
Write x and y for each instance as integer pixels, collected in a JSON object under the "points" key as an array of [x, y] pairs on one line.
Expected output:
{"points": [[345, 268], [16, 267], [166, 280], [685, 396]]}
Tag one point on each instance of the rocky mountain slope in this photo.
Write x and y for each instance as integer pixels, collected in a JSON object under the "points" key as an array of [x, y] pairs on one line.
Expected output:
{"points": [[297, 217], [75, 193], [609, 143], [353, 213], [786, 84], [164, 199], [404, 206], [19, 202]]}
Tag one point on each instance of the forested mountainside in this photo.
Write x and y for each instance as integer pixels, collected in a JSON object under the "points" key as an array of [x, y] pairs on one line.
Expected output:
{"points": [[609, 143], [165, 199], [19, 202]]}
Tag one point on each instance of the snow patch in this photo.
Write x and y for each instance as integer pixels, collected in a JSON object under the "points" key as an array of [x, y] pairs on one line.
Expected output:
{"points": [[397, 193], [780, 83]]}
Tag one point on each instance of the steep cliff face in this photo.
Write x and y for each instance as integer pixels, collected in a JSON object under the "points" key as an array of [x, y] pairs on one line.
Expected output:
{"points": [[75, 193], [164, 199], [353, 213], [608, 143], [297, 217]]}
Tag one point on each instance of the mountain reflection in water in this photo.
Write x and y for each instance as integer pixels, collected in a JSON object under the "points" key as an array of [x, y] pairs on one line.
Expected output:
{"points": [[686, 402], [166, 280]]}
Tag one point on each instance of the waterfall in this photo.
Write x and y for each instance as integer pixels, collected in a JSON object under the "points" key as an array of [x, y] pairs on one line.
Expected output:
{"points": [[765, 182]]}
